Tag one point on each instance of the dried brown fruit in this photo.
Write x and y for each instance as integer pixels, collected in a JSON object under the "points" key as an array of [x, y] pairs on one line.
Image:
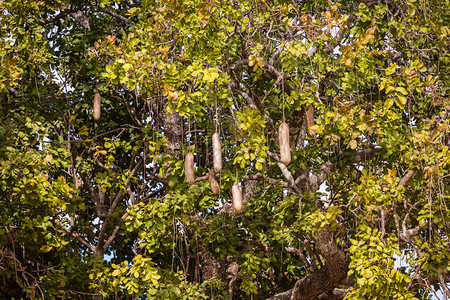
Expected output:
{"points": [[236, 192], [97, 106], [213, 182], [217, 152], [285, 150], [310, 121], [189, 166]]}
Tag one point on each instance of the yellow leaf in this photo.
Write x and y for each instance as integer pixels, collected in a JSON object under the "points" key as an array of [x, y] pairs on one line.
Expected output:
{"points": [[260, 62], [344, 109], [389, 89], [392, 173], [390, 70], [353, 144], [304, 19], [349, 63], [401, 90], [251, 60], [173, 95], [203, 22], [100, 152], [46, 248], [402, 100], [370, 33], [164, 50], [166, 89], [382, 84], [127, 67]]}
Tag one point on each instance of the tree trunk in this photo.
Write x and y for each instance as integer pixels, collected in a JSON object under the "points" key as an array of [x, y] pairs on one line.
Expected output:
{"points": [[172, 128], [321, 284], [326, 278]]}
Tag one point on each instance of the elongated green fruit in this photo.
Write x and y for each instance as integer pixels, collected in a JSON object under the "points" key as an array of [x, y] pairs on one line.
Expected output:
{"points": [[97, 106], [213, 182], [217, 152], [236, 192], [189, 166], [285, 150]]}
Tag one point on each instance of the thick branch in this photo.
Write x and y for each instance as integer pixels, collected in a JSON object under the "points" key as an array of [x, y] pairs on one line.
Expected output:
{"points": [[246, 95], [313, 181], [407, 234], [116, 15], [282, 296], [91, 191], [99, 249], [277, 75], [326, 278], [13, 92], [284, 170], [114, 234], [335, 294], [295, 123], [61, 15], [75, 235], [321, 284], [260, 177], [365, 155], [443, 283], [276, 55], [408, 176]]}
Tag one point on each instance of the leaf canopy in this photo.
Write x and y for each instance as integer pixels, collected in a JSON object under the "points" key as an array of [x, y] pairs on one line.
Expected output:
{"points": [[101, 208]]}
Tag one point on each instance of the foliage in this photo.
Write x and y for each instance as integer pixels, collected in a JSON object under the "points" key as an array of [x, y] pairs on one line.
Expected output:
{"points": [[101, 208]]}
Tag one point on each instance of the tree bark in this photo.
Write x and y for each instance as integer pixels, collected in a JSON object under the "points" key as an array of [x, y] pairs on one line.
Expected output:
{"points": [[321, 284], [327, 277], [172, 129], [212, 267]]}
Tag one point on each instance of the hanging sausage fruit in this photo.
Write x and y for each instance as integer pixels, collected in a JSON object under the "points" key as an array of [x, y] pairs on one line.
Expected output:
{"points": [[97, 106], [217, 152], [189, 166], [310, 121], [236, 192], [213, 182], [285, 150]]}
